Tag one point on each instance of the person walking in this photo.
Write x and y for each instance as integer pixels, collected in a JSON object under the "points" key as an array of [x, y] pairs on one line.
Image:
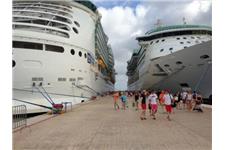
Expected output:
{"points": [[184, 97], [123, 100], [168, 100], [152, 98], [143, 105], [136, 98], [116, 98], [189, 100], [161, 101]]}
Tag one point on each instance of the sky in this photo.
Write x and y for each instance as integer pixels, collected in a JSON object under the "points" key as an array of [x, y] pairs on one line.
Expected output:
{"points": [[124, 20]]}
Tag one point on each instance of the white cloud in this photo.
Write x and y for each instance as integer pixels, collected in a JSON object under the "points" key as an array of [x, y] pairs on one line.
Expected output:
{"points": [[123, 24]]}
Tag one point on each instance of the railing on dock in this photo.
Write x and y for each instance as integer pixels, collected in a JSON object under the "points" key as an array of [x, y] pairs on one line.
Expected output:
{"points": [[19, 116], [66, 106]]}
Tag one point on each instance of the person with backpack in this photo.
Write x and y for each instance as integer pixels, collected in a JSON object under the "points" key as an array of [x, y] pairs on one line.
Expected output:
{"points": [[123, 100]]}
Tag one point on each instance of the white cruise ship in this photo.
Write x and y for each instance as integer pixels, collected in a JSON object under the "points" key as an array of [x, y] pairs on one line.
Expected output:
{"points": [[174, 57], [60, 52]]}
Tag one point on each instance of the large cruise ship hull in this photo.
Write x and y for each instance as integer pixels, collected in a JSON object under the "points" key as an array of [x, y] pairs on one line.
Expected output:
{"points": [[194, 71]]}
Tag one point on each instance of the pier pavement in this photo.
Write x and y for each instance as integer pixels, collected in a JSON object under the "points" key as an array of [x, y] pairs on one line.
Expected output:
{"points": [[97, 126]]}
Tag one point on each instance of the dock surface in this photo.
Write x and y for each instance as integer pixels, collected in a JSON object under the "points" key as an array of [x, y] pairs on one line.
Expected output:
{"points": [[97, 126]]}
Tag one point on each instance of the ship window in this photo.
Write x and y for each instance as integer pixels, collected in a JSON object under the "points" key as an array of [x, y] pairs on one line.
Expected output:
{"points": [[179, 62], [72, 79], [184, 85], [171, 49], [198, 37], [54, 48], [151, 43], [181, 42], [13, 63], [204, 56], [178, 38], [157, 41], [72, 51], [85, 55], [76, 23], [61, 79], [188, 42], [161, 50], [193, 37], [184, 38], [27, 45], [80, 53], [166, 65], [163, 40], [75, 30]]}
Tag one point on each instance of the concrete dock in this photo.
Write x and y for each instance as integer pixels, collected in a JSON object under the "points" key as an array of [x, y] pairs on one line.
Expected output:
{"points": [[97, 126]]}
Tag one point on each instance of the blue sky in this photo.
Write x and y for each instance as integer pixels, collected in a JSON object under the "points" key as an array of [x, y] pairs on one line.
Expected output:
{"points": [[114, 3]]}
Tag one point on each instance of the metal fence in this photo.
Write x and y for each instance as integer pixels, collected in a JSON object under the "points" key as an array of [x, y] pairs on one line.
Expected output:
{"points": [[66, 106], [19, 116]]}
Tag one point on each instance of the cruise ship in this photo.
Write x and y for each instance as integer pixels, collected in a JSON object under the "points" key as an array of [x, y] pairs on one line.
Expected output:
{"points": [[175, 57], [60, 53]]}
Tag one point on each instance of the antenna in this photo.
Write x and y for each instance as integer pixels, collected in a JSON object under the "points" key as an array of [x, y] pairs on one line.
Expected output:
{"points": [[184, 20], [158, 23]]}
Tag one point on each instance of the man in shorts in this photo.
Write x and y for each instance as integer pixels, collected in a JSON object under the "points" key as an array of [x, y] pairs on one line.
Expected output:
{"points": [[143, 105], [168, 100], [152, 98]]}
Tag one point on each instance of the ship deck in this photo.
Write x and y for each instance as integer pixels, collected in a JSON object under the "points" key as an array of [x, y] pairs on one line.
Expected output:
{"points": [[97, 126]]}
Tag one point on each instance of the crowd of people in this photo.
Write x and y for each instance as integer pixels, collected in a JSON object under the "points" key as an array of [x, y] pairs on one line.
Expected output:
{"points": [[165, 99]]}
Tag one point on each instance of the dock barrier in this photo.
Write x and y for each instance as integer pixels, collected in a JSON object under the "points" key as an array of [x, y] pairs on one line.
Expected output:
{"points": [[19, 114]]}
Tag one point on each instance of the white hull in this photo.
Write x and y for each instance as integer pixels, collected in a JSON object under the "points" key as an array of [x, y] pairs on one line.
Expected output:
{"points": [[65, 76], [194, 71]]}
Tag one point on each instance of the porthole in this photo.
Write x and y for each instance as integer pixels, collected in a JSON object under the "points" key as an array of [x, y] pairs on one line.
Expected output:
{"points": [[157, 41], [188, 42], [166, 65], [13, 63], [184, 38], [193, 37], [72, 51], [76, 23], [85, 55], [151, 43], [178, 38], [179, 63], [171, 49], [75, 30], [80, 53], [163, 40], [161, 50], [204, 56], [181, 42], [185, 46], [198, 37]]}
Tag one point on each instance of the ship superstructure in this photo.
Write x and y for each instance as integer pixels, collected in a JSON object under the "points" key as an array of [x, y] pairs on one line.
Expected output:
{"points": [[59, 46], [174, 57]]}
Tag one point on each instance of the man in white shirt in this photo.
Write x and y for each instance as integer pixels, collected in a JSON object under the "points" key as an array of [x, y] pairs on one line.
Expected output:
{"points": [[168, 100], [184, 98], [152, 98]]}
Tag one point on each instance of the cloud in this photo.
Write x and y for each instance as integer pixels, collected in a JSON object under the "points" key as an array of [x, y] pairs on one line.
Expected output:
{"points": [[123, 24]]}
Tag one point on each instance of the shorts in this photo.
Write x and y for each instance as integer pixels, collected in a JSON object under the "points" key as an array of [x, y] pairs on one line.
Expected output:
{"points": [[169, 108], [154, 107], [143, 106]]}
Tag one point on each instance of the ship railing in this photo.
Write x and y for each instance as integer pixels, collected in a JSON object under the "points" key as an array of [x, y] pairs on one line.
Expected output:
{"points": [[19, 113]]}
